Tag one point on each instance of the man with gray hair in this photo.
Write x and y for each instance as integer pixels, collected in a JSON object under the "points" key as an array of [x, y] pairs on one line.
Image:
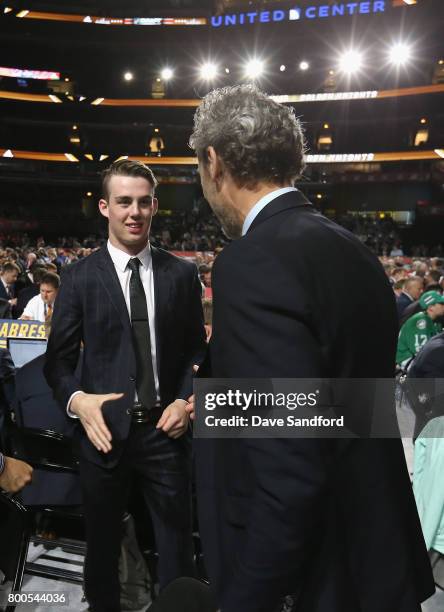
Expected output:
{"points": [[331, 522], [412, 290]]}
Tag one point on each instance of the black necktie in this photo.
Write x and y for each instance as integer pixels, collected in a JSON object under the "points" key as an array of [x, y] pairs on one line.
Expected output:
{"points": [[146, 389]]}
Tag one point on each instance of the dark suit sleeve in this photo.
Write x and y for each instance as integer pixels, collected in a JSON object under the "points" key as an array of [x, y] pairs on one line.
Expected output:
{"points": [[284, 522], [195, 343], [290, 475], [64, 341]]}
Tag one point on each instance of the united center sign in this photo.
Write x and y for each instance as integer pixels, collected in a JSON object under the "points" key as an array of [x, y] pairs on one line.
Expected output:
{"points": [[322, 11]]}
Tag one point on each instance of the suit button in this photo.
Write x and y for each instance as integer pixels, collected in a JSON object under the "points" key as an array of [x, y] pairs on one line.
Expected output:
{"points": [[128, 411], [132, 378]]}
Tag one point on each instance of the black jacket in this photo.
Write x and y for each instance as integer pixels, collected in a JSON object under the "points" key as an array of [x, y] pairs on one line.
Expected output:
{"points": [[24, 296], [332, 521], [90, 308]]}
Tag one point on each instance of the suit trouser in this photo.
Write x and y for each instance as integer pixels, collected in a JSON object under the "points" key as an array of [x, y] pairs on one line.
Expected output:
{"points": [[162, 468]]}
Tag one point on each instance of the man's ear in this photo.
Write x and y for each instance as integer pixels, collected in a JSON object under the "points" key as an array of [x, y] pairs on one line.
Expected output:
{"points": [[214, 164], [103, 207], [155, 206]]}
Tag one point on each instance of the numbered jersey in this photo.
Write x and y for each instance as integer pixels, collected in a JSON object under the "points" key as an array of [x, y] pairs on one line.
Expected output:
{"points": [[414, 334]]}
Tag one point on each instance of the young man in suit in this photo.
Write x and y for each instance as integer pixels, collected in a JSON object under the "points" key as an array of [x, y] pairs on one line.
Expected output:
{"points": [[331, 522], [137, 310]]}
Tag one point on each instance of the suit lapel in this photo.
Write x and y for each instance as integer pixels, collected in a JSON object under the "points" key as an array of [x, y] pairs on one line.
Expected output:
{"points": [[108, 277], [292, 199], [162, 294]]}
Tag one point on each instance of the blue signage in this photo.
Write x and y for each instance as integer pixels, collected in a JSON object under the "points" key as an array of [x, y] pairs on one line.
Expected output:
{"points": [[365, 7]]}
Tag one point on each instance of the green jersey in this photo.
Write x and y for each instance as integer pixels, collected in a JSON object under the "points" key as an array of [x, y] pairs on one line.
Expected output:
{"points": [[414, 334]]}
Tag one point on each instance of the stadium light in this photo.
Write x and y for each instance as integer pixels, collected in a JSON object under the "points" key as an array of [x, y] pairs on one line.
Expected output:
{"points": [[399, 54], [128, 76], [304, 65], [167, 74], [254, 68], [208, 71], [350, 61], [227, 71], [282, 68]]}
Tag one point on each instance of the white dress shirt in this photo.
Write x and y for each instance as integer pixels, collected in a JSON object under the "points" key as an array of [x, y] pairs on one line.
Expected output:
{"points": [[262, 203], [36, 309], [120, 261]]}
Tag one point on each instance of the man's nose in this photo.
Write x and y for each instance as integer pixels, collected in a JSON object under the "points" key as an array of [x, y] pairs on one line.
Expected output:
{"points": [[134, 210]]}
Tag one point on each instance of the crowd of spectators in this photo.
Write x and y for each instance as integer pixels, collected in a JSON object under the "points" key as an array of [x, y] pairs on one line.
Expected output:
{"points": [[198, 230], [381, 235]]}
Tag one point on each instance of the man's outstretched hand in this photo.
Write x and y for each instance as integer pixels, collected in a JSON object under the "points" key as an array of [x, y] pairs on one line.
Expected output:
{"points": [[88, 407]]}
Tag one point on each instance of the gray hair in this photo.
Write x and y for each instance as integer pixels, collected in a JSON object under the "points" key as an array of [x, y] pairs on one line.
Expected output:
{"points": [[258, 139]]}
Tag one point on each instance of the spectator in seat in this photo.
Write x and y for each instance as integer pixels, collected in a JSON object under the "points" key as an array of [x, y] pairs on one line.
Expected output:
{"points": [[412, 290], [421, 327], [29, 292], [9, 275], [40, 307], [415, 306]]}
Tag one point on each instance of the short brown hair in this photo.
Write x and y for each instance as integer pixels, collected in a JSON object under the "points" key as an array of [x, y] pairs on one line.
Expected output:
{"points": [[9, 266], [50, 278], [127, 167]]}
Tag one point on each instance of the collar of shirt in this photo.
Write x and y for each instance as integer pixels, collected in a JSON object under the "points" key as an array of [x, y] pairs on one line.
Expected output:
{"points": [[121, 259], [262, 203]]}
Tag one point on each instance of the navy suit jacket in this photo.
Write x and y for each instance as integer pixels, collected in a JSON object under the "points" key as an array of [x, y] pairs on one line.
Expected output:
{"points": [[333, 522], [91, 309], [402, 301], [3, 293]]}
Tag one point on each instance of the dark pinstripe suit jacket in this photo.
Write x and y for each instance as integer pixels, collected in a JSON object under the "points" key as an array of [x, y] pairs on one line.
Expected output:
{"points": [[90, 309]]}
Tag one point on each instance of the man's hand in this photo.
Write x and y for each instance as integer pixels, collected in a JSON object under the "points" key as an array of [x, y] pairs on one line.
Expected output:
{"points": [[13, 301], [15, 476], [174, 420], [190, 403], [88, 407], [190, 408]]}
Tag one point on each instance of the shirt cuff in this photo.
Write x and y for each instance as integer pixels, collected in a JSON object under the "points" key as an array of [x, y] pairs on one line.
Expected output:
{"points": [[2, 464], [68, 411]]}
